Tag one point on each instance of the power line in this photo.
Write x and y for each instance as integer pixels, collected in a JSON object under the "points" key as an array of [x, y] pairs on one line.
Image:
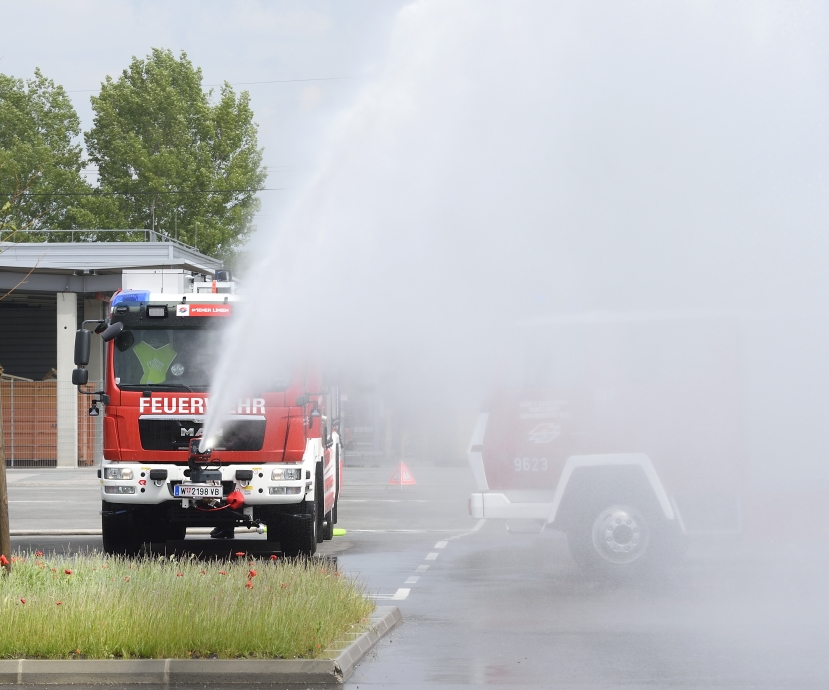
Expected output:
{"points": [[240, 83]]}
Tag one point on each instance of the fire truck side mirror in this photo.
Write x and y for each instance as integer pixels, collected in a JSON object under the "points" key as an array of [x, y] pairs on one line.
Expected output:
{"points": [[80, 377], [111, 331], [82, 342], [302, 400]]}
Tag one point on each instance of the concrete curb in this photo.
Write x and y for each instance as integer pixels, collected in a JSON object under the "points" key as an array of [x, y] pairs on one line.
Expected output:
{"points": [[338, 664]]}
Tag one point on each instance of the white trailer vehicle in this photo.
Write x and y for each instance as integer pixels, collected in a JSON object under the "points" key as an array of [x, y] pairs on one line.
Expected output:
{"points": [[626, 437]]}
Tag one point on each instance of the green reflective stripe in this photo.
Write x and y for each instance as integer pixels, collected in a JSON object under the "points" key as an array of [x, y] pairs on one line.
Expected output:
{"points": [[155, 363]]}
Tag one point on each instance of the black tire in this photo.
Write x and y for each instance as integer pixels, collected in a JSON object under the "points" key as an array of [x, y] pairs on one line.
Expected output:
{"points": [[328, 527], [336, 487], [297, 534], [621, 538], [154, 526], [275, 532], [319, 499], [176, 531], [120, 536]]}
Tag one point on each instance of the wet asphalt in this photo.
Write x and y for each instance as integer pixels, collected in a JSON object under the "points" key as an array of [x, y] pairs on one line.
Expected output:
{"points": [[484, 606]]}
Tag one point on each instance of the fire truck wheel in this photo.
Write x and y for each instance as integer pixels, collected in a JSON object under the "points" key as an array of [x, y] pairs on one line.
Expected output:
{"points": [[176, 532], [120, 537], [617, 539], [336, 488], [297, 537], [319, 496]]}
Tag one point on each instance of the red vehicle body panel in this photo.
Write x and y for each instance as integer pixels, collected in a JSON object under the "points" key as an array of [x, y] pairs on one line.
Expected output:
{"points": [[689, 430]]}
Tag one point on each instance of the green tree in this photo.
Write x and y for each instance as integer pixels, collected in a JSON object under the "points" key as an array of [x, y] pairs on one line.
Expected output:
{"points": [[40, 158], [174, 160]]}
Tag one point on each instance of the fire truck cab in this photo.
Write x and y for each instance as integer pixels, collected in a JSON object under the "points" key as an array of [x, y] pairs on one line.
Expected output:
{"points": [[275, 464]]}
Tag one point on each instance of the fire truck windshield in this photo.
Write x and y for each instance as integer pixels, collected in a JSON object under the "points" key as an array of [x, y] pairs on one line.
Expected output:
{"points": [[167, 358]]}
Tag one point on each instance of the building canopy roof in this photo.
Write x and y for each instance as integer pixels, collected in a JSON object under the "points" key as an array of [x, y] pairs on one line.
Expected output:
{"points": [[91, 266]]}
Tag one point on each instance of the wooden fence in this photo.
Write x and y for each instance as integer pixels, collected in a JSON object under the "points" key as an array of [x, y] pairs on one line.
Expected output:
{"points": [[29, 411]]}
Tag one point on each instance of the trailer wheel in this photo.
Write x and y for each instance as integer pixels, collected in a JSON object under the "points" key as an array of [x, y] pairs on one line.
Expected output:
{"points": [[297, 534], [617, 539], [120, 536]]}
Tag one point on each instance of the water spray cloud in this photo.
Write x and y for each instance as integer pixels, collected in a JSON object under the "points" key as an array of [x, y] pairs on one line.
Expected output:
{"points": [[520, 159]]}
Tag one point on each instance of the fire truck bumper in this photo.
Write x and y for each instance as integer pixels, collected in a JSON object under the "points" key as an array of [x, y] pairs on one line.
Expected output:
{"points": [[260, 489], [498, 506]]}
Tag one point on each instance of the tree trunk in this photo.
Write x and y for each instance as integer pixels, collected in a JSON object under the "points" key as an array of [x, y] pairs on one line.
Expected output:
{"points": [[5, 538]]}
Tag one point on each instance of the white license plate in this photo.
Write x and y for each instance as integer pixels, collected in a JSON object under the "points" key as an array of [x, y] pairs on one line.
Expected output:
{"points": [[197, 491]]}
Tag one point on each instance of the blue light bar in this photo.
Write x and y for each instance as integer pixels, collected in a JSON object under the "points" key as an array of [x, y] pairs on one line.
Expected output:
{"points": [[131, 296]]}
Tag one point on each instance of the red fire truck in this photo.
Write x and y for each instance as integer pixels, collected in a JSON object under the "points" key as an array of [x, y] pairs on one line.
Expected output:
{"points": [[626, 435], [276, 462]]}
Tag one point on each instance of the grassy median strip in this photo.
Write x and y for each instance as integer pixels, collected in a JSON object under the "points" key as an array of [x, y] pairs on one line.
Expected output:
{"points": [[100, 607]]}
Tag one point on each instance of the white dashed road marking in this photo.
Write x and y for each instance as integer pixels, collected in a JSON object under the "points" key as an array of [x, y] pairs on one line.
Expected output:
{"points": [[399, 595], [403, 592]]}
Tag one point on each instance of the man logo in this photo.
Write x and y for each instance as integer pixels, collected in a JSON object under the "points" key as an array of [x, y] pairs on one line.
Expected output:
{"points": [[544, 432], [188, 432]]}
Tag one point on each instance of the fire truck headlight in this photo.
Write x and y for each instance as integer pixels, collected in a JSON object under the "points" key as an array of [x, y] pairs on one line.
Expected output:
{"points": [[119, 489], [290, 474], [117, 473]]}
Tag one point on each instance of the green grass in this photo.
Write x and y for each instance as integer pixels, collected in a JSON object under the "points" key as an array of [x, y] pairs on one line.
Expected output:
{"points": [[110, 607]]}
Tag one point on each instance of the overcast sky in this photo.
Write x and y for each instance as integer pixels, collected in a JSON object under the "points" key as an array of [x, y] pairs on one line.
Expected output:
{"points": [[79, 43]]}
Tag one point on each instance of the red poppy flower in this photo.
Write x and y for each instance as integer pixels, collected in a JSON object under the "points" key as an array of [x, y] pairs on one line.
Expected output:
{"points": [[38, 553], [249, 584], [239, 554], [274, 556], [67, 572], [22, 600], [59, 603], [251, 573], [179, 574], [3, 560], [222, 572]]}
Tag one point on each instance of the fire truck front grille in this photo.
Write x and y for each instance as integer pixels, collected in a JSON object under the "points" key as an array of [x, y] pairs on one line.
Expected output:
{"points": [[176, 434]]}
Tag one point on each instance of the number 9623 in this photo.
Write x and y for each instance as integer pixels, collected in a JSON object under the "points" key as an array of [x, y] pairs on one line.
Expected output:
{"points": [[530, 464]]}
